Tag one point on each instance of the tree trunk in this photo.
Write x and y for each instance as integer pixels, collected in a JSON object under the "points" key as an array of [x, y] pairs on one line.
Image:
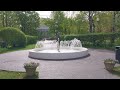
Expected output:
{"points": [[113, 26], [6, 17], [93, 25], [90, 22], [3, 19]]}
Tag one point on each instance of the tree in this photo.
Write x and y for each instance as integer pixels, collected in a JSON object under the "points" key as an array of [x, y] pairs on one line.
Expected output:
{"points": [[103, 21], [84, 22], [114, 20], [90, 15], [58, 18], [29, 21], [114, 14], [81, 23], [9, 19]]}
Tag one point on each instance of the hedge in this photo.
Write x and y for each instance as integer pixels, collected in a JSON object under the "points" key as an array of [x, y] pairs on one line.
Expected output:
{"points": [[12, 37], [31, 39], [95, 39]]}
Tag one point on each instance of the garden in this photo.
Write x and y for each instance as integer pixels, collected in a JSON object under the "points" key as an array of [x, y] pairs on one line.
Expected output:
{"points": [[97, 30]]}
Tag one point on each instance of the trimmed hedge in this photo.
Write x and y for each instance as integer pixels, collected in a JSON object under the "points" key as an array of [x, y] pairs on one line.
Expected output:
{"points": [[31, 39], [12, 37], [95, 39]]}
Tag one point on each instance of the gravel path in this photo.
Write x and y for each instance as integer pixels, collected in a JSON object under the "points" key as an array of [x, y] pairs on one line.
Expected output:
{"points": [[91, 67]]}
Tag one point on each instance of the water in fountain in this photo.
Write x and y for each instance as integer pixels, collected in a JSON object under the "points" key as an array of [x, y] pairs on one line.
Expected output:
{"points": [[71, 44], [39, 44], [53, 44], [47, 44], [51, 49]]}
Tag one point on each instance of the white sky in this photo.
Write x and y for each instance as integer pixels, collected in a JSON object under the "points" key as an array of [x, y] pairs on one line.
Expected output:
{"points": [[46, 14]]}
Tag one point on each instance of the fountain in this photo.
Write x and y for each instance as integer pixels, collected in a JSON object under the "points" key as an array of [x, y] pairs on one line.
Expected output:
{"points": [[58, 50]]}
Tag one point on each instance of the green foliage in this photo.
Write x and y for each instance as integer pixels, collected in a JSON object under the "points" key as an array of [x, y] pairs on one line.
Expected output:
{"points": [[31, 39], [9, 19], [16, 75], [58, 16], [29, 21], [95, 39], [116, 71], [76, 25], [11, 75], [105, 22], [5, 50], [117, 42], [13, 37]]}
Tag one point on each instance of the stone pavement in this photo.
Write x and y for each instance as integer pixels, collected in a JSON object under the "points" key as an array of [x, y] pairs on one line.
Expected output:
{"points": [[91, 67]]}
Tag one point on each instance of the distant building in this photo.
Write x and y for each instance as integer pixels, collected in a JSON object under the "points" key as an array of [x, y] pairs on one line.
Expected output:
{"points": [[43, 31]]}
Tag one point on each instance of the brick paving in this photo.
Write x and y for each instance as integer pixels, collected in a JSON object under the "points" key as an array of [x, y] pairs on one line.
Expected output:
{"points": [[91, 67]]}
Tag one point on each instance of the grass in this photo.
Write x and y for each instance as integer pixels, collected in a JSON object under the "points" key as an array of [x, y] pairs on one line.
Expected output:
{"points": [[16, 75], [116, 71], [4, 50]]}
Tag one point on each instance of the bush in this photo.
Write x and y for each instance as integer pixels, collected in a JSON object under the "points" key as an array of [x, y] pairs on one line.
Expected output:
{"points": [[95, 39], [3, 44], [13, 37], [117, 42], [31, 39]]}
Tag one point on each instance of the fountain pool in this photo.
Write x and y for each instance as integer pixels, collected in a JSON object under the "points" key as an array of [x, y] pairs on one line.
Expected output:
{"points": [[51, 50]]}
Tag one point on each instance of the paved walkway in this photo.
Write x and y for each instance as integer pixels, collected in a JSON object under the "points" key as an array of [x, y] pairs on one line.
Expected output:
{"points": [[91, 67]]}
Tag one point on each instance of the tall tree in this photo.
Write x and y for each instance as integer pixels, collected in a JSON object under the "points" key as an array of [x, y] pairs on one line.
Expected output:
{"points": [[81, 23], [91, 21], [113, 25], [90, 15], [8, 19], [29, 21], [58, 18], [103, 21], [117, 20], [115, 17]]}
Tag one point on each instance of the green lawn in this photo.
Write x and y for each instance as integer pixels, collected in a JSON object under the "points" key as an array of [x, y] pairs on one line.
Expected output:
{"points": [[16, 75], [4, 50]]}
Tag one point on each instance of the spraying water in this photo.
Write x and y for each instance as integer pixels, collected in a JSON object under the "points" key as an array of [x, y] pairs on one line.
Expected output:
{"points": [[53, 50], [47, 44]]}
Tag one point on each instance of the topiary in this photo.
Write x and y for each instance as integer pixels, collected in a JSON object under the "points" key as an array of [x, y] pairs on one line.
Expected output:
{"points": [[13, 37]]}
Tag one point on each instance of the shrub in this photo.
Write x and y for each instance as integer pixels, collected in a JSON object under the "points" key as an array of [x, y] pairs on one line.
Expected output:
{"points": [[13, 37], [31, 39], [95, 39], [117, 41], [3, 44]]}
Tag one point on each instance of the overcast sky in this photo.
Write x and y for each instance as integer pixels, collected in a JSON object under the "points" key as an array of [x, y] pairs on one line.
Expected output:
{"points": [[44, 14]]}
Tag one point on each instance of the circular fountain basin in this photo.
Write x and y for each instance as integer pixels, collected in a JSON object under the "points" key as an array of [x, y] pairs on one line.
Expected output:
{"points": [[52, 54]]}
